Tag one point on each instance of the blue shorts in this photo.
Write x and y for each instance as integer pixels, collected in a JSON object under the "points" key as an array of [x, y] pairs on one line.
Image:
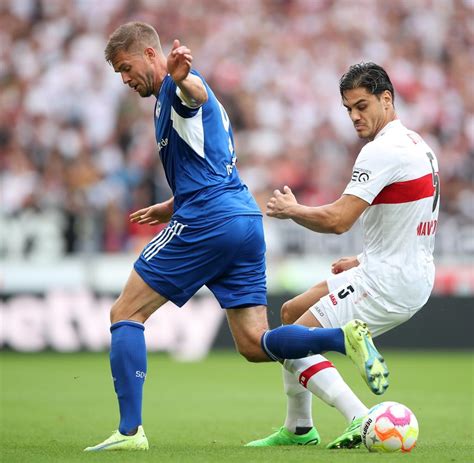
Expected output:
{"points": [[227, 256]]}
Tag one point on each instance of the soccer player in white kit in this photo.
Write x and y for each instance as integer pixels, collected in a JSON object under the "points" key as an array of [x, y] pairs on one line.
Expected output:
{"points": [[394, 189]]}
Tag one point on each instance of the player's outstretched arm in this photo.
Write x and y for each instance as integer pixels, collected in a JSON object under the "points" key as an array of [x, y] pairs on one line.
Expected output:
{"points": [[344, 263], [337, 217], [193, 91], [155, 214]]}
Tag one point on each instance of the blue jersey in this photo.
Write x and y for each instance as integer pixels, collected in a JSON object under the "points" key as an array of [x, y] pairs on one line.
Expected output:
{"points": [[196, 148]]}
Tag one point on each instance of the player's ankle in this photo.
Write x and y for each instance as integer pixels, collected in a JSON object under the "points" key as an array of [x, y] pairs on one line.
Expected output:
{"points": [[132, 432]]}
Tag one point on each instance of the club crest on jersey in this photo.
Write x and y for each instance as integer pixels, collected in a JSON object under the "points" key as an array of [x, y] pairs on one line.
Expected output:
{"points": [[158, 109], [360, 175]]}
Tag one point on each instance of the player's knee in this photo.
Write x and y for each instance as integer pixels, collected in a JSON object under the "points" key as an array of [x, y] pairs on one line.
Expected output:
{"points": [[287, 313], [253, 352], [115, 313], [118, 312]]}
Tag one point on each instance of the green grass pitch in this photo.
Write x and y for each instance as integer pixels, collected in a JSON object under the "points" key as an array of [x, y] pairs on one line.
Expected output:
{"points": [[54, 405]]}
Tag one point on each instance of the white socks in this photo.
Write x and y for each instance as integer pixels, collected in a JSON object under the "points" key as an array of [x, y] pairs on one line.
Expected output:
{"points": [[298, 411], [320, 377]]}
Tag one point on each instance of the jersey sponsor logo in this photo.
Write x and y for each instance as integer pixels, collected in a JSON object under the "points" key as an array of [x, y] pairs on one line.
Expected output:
{"points": [[406, 192], [427, 228], [163, 142], [333, 299], [318, 310], [360, 175], [140, 374]]}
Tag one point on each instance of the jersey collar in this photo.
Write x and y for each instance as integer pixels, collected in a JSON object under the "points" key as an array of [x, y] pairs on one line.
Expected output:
{"points": [[390, 125]]}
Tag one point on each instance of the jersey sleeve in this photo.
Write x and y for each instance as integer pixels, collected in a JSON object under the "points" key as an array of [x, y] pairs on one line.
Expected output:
{"points": [[374, 169], [179, 105]]}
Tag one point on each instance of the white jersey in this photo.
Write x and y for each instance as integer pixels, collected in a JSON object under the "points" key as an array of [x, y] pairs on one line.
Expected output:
{"points": [[397, 174]]}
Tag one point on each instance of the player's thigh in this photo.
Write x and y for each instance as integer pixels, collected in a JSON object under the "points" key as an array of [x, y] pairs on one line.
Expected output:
{"points": [[308, 319], [241, 281], [137, 301], [185, 257], [293, 309], [247, 326]]}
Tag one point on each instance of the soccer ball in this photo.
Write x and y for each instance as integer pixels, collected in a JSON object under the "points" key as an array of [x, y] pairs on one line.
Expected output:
{"points": [[389, 427]]}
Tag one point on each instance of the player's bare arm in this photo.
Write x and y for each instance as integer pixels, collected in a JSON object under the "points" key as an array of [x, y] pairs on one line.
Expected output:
{"points": [[155, 214], [337, 217], [344, 263], [179, 61]]}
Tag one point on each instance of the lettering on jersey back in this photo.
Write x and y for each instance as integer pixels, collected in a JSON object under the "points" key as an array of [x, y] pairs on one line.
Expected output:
{"points": [[230, 167], [427, 228]]}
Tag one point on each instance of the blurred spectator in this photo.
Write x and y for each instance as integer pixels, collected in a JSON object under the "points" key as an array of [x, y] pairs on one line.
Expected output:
{"points": [[74, 141]]}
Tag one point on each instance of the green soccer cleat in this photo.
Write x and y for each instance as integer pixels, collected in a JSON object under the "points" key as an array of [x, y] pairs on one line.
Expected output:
{"points": [[285, 437], [350, 439], [369, 361], [118, 441]]}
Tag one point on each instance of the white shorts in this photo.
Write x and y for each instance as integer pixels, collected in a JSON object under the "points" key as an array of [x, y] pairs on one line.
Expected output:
{"points": [[348, 300]]}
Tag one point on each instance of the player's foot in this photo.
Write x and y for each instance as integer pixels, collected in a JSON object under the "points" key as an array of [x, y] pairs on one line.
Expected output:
{"points": [[350, 438], [285, 437], [369, 361], [118, 441]]}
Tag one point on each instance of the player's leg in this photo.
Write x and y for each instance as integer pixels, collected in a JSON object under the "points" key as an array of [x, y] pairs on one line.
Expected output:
{"points": [[321, 378], [128, 361], [247, 326], [316, 375], [298, 427], [296, 341], [154, 280], [128, 351], [241, 288], [379, 320], [294, 308], [353, 339]]}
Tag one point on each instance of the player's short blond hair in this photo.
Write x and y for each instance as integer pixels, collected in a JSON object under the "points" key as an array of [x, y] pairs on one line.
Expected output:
{"points": [[133, 36]]}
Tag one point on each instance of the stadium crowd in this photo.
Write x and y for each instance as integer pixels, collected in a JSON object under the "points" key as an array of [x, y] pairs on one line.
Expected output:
{"points": [[75, 140]]}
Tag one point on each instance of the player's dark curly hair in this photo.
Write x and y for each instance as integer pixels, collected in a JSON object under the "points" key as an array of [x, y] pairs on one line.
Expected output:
{"points": [[371, 76]]}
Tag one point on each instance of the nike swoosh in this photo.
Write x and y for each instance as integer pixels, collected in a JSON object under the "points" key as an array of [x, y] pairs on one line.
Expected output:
{"points": [[311, 441], [102, 447]]}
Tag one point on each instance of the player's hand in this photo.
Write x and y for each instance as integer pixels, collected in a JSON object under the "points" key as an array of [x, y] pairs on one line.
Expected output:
{"points": [[343, 264], [280, 203], [152, 215], [179, 61]]}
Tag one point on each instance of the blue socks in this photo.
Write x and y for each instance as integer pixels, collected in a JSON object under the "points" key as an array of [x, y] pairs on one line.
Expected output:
{"points": [[296, 341], [128, 364]]}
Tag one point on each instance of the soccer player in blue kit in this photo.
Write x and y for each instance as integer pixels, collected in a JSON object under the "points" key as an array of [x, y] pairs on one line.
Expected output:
{"points": [[215, 233], [214, 237]]}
